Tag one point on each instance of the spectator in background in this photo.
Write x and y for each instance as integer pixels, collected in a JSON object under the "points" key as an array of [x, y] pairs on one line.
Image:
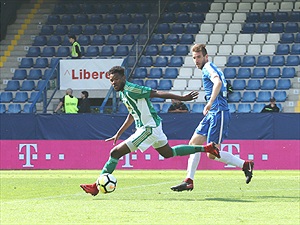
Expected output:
{"points": [[75, 51], [69, 102], [178, 106], [85, 105], [272, 107]]}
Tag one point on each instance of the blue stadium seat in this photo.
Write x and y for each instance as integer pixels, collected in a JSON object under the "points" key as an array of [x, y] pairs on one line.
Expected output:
{"points": [[66, 41], [288, 72], [244, 108], [96, 19], [278, 60], [98, 40], [293, 60], [116, 8], [140, 73], [281, 17], [163, 28], [234, 97], [2, 108], [12, 85], [33, 51], [33, 95], [88, 8], [84, 40], [27, 85], [101, 8], [273, 72], [151, 83], [40, 85], [119, 29], [39, 40], [157, 39], [161, 61], [165, 84], [107, 50], [110, 18], [171, 73], [232, 107], [63, 51], [125, 19], [122, 50], [92, 51], [156, 107], [174, 7], [183, 18], [6, 97], [54, 62], [59, 9], [248, 61], [253, 84], [139, 18], [81, 19], [239, 84], [295, 50], [243, 73], [257, 107], [48, 51], [53, 19], [133, 29], [165, 107], [129, 8], [248, 96], [20, 74], [167, 50], [181, 50], [263, 96], [14, 108], [266, 17], [152, 50], [89, 29], [26, 108], [155, 73], [277, 28], [47, 30], [26, 63], [157, 99], [192, 28], [127, 39], [197, 108], [67, 19], [284, 84], [263, 28], [61, 30], [75, 30], [168, 18], [54, 40], [113, 39], [47, 74], [104, 29], [177, 28], [145, 61], [248, 28], [287, 38], [176, 61], [263, 60], [294, 16], [234, 61], [34, 74], [253, 17], [21, 97], [280, 96], [268, 84], [187, 39], [258, 72], [197, 17], [230, 73], [138, 82], [282, 49], [172, 39], [291, 27]]}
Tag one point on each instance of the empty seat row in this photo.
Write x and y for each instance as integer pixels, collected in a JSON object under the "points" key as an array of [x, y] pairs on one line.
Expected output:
{"points": [[182, 17], [82, 19], [286, 49], [163, 84], [177, 28], [290, 38], [7, 96], [185, 6], [259, 73], [161, 61], [160, 39], [277, 27], [260, 96], [256, 17], [256, 84], [34, 74], [168, 73], [168, 50], [26, 85], [248, 108], [16, 108]]}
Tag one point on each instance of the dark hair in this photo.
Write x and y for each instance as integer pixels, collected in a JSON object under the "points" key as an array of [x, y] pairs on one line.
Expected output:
{"points": [[72, 36], [117, 69], [272, 99], [85, 93]]}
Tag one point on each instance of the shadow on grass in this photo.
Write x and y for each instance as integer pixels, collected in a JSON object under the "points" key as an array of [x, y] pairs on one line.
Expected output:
{"points": [[227, 200]]}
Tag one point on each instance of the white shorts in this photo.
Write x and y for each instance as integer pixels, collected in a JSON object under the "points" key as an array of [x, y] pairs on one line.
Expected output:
{"points": [[144, 137]]}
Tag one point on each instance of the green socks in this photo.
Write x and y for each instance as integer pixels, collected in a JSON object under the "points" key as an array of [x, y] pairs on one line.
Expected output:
{"points": [[182, 150], [110, 165]]}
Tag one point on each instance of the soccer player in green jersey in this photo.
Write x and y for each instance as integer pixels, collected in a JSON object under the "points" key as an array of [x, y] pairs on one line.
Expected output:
{"points": [[148, 125]]}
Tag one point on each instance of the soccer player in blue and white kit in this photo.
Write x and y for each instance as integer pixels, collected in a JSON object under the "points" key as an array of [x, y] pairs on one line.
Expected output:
{"points": [[214, 126], [148, 125]]}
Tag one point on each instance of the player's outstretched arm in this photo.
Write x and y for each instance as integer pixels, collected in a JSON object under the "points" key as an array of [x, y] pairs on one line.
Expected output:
{"points": [[167, 95]]}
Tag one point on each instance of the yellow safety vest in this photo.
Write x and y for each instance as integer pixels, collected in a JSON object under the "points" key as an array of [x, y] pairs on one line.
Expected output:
{"points": [[74, 53], [71, 104]]}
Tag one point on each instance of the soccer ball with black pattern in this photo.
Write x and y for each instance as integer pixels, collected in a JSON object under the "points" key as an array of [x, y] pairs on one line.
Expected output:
{"points": [[106, 183]]}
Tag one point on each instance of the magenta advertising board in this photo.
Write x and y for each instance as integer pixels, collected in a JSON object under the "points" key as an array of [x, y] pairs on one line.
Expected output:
{"points": [[92, 154]]}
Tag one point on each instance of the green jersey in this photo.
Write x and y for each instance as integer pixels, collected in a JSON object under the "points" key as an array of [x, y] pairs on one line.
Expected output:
{"points": [[137, 100]]}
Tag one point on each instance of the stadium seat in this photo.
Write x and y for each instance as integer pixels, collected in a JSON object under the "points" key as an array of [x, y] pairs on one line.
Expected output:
{"points": [[113, 39], [26, 108], [119, 29], [248, 28], [248, 96], [176, 61], [257, 107], [140, 73], [161, 61], [288, 72], [122, 50], [183, 18], [239, 84], [98, 40], [48, 52], [192, 28], [12, 85], [2, 108], [14, 108], [259, 73], [281, 17], [263, 28], [101, 8], [26, 63], [75, 29], [139, 18], [253, 84], [248, 61], [6, 97], [89, 29], [292, 60], [151, 83], [280, 96], [273, 72], [40, 40], [172, 39], [230, 73], [92, 51], [234, 61], [54, 40], [133, 29], [81, 19], [61, 30], [47, 30], [41, 84], [165, 84], [177, 28], [277, 27], [278, 60], [53, 19], [234, 97], [33, 51], [104, 29], [84, 40], [155, 73], [244, 108], [34, 74], [179, 84], [171, 73], [125, 18], [67, 19], [145, 61], [27, 85], [152, 50], [266, 17], [263, 60], [54, 62], [41, 63], [168, 18], [287, 38], [19, 74], [167, 50], [291, 27], [181, 50], [294, 16], [116, 8], [47, 74], [268, 84], [59, 9], [20, 97], [263, 96], [284, 84], [127, 39], [243, 73], [107, 50], [187, 39], [33, 95], [197, 108], [295, 49], [282, 49], [253, 17], [157, 39], [110, 18], [197, 17], [138, 82], [163, 28], [165, 107], [63, 51]]}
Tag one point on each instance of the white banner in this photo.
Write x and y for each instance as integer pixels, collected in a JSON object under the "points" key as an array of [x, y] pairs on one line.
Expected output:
{"points": [[86, 74]]}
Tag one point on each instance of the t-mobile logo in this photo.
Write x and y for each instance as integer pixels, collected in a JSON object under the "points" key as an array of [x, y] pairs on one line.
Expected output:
{"points": [[25, 153], [233, 149]]}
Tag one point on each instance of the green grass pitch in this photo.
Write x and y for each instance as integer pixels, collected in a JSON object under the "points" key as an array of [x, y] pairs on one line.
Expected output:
{"points": [[144, 197]]}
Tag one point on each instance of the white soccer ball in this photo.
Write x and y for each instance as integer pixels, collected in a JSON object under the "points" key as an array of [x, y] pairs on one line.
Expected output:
{"points": [[106, 183]]}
